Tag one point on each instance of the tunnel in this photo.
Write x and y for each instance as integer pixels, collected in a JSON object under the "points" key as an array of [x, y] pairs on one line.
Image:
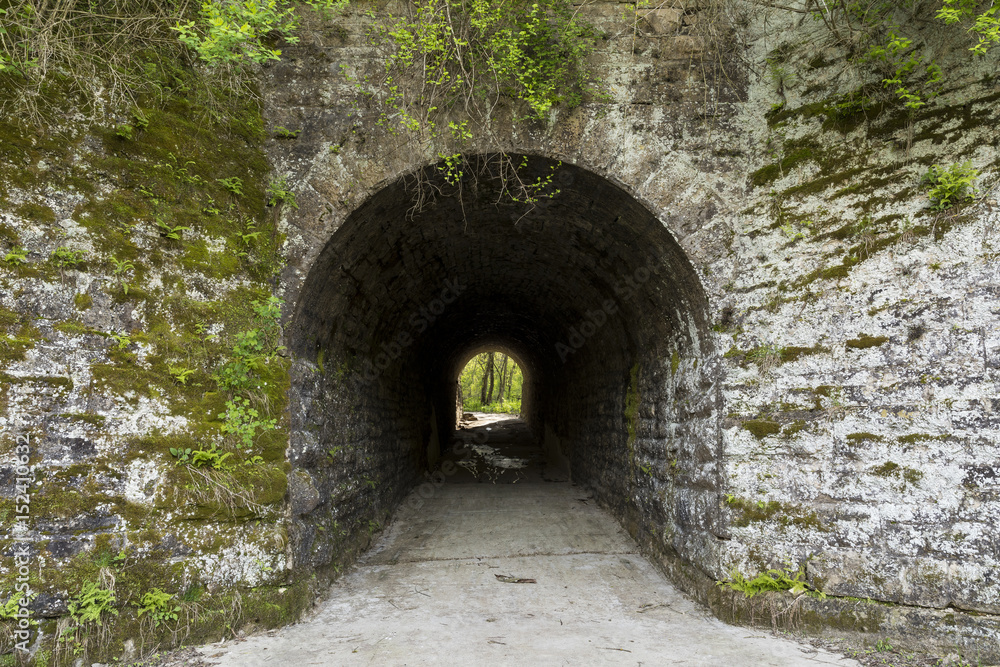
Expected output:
{"points": [[580, 283]]}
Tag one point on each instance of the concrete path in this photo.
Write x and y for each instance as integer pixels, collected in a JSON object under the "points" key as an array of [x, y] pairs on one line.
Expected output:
{"points": [[517, 571]]}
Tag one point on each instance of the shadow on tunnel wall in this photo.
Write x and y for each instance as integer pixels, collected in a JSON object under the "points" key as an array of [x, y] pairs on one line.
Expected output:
{"points": [[585, 287]]}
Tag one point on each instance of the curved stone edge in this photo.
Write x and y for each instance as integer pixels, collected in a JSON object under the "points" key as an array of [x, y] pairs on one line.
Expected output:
{"points": [[974, 636]]}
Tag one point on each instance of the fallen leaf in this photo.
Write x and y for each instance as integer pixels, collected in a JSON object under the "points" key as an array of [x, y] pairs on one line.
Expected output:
{"points": [[507, 579]]}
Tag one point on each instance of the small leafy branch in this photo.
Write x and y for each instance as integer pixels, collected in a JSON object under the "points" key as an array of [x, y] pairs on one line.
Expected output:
{"points": [[797, 230], [122, 341], [168, 231], [986, 26], [9, 609], [254, 348], [233, 184], [212, 457], [16, 256], [66, 258], [908, 67], [244, 421], [233, 32], [950, 186], [282, 132], [278, 192], [772, 580], [91, 603], [158, 606], [453, 66], [121, 271], [180, 374]]}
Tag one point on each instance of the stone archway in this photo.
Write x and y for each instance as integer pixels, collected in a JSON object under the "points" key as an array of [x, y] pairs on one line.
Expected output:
{"points": [[587, 287]]}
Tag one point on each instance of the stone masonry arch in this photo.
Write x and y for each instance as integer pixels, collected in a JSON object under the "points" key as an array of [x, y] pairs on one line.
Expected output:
{"points": [[587, 287]]}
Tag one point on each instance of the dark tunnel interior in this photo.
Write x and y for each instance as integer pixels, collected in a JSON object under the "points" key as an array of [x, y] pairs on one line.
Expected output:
{"points": [[584, 287]]}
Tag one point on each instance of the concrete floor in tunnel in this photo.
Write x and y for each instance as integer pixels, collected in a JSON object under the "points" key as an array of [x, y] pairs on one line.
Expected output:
{"points": [[504, 561]]}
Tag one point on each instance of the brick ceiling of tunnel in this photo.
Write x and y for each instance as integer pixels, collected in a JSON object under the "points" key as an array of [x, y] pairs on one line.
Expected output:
{"points": [[517, 274]]}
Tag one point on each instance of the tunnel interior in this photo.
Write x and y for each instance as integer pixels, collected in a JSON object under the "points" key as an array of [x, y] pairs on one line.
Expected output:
{"points": [[585, 288]]}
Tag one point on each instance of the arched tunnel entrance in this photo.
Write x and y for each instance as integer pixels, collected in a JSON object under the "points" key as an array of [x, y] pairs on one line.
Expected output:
{"points": [[585, 287]]}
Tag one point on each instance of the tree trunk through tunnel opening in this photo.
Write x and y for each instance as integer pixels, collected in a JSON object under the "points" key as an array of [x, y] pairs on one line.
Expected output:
{"points": [[588, 292]]}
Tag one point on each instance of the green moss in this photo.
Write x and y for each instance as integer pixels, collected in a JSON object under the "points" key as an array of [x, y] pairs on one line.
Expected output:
{"points": [[887, 469], [792, 353], [83, 301], [864, 341], [9, 318], [784, 514], [791, 429], [761, 428], [127, 380], [14, 348], [247, 490], [632, 405], [771, 172], [85, 417], [76, 328], [675, 362], [9, 235], [823, 183], [891, 469], [55, 381], [914, 438], [858, 438], [804, 111], [36, 213]]}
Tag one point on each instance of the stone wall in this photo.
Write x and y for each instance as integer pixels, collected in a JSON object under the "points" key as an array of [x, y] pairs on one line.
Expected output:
{"points": [[740, 318]]}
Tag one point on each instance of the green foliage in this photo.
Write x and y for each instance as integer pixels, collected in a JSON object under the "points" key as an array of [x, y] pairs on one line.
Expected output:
{"points": [[472, 52], [212, 457], [244, 421], [9, 609], [282, 132], [121, 341], [16, 256], [234, 32], [253, 349], [492, 382], [168, 231], [908, 65], [66, 258], [472, 58], [122, 268], [125, 131], [91, 603], [910, 68], [986, 26], [772, 580], [797, 230], [278, 192], [508, 407], [949, 186], [233, 184], [180, 373], [159, 607]]}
